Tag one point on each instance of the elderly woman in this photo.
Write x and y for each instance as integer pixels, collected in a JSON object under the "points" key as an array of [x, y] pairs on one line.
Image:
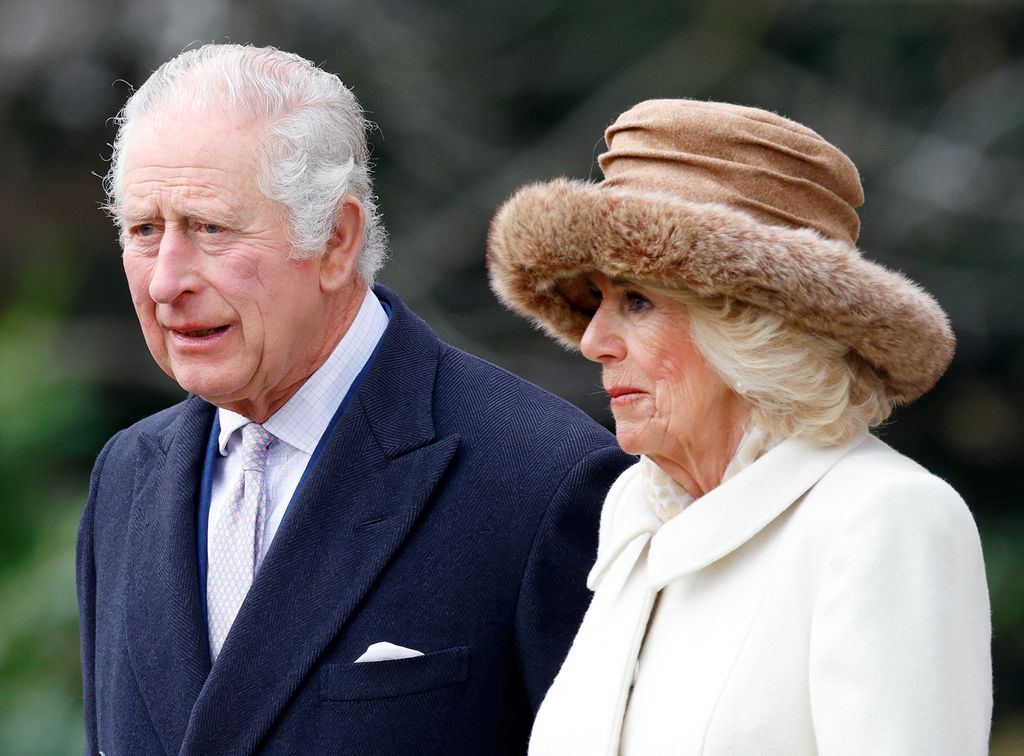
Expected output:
{"points": [[771, 578]]}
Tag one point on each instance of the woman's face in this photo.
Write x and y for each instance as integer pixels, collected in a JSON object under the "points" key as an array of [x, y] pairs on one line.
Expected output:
{"points": [[665, 399]]}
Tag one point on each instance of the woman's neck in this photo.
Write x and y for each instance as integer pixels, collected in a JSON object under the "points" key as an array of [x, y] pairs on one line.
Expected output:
{"points": [[698, 464]]}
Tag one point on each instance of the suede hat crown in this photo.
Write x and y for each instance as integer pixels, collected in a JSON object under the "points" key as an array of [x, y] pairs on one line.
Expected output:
{"points": [[725, 200]]}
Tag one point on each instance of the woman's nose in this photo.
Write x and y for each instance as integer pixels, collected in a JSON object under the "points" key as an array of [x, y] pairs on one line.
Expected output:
{"points": [[601, 342]]}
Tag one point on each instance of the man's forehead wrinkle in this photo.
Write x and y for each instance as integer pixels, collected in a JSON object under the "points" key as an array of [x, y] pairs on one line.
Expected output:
{"points": [[144, 184], [159, 190], [174, 168]]}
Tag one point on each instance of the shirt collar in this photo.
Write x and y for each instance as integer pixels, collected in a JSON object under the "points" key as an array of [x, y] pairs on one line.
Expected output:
{"points": [[304, 418]]}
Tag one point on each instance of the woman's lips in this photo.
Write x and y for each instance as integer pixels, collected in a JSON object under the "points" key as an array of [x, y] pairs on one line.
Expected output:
{"points": [[623, 394]]}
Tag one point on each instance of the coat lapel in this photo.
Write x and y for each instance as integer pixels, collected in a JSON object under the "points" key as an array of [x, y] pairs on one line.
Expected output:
{"points": [[357, 506], [583, 711], [165, 635], [727, 517]]}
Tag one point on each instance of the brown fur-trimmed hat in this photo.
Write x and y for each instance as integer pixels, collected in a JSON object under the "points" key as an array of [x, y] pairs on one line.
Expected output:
{"points": [[721, 200]]}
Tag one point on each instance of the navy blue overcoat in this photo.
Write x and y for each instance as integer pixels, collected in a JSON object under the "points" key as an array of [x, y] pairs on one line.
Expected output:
{"points": [[453, 510]]}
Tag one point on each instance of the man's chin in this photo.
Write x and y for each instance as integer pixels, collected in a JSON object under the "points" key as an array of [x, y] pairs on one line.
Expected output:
{"points": [[214, 389]]}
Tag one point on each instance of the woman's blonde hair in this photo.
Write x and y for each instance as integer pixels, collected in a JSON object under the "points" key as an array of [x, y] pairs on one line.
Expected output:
{"points": [[799, 384]]}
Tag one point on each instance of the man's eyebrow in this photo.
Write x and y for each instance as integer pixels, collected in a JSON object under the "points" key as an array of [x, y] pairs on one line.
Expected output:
{"points": [[206, 215], [227, 219], [128, 216]]}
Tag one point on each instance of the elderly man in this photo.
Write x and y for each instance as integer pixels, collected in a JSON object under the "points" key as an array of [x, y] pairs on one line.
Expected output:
{"points": [[350, 537]]}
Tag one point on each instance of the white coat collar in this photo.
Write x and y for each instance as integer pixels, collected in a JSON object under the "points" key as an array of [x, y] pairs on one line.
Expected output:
{"points": [[717, 523], [623, 520]]}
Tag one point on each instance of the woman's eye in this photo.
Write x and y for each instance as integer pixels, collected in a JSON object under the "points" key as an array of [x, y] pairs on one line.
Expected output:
{"points": [[636, 302], [594, 292]]}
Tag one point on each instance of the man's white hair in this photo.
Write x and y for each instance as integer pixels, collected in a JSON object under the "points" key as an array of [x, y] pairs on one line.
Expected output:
{"points": [[313, 136]]}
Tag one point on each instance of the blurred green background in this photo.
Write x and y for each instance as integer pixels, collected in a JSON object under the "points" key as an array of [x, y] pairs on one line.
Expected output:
{"points": [[472, 100]]}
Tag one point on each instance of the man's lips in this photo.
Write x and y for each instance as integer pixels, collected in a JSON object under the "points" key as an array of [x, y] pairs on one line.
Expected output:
{"points": [[196, 331]]}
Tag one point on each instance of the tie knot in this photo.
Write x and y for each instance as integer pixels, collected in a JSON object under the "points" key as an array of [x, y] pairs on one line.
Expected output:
{"points": [[255, 441]]}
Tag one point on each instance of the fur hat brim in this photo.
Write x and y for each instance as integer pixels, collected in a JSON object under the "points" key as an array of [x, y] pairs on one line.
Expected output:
{"points": [[547, 237]]}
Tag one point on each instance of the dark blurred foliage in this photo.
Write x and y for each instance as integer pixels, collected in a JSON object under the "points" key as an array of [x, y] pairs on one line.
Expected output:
{"points": [[472, 100]]}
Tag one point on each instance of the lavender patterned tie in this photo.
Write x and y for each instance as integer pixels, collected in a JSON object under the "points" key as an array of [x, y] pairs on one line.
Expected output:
{"points": [[235, 540]]}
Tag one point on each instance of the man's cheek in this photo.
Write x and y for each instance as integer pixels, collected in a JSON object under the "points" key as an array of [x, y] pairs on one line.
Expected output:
{"points": [[138, 286]]}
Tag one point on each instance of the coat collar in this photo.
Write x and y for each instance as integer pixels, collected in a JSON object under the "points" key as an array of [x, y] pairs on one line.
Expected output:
{"points": [[356, 507], [722, 520], [625, 518]]}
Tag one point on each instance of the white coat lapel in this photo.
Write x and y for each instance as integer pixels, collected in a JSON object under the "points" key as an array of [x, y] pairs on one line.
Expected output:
{"points": [[603, 656], [623, 518], [727, 517], [600, 664]]}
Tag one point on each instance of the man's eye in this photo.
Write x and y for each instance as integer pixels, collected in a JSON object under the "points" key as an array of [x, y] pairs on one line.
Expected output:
{"points": [[210, 228], [144, 229]]}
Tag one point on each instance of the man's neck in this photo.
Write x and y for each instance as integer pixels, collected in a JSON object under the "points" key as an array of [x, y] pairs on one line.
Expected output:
{"points": [[260, 409]]}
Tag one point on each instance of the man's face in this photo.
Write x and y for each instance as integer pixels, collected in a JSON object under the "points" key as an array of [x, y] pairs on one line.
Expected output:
{"points": [[225, 311]]}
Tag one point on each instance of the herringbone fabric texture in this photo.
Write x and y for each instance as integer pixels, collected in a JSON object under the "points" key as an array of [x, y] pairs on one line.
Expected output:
{"points": [[235, 539]]}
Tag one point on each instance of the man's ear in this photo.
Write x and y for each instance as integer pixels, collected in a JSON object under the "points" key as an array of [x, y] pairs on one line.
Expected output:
{"points": [[338, 263]]}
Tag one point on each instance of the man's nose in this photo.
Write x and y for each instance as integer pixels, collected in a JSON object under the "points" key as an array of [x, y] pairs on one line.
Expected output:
{"points": [[174, 273], [601, 342]]}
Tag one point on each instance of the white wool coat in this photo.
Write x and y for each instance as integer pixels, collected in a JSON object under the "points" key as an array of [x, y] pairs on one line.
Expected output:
{"points": [[821, 601]]}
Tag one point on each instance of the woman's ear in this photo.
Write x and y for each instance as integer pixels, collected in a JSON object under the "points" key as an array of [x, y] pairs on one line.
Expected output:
{"points": [[338, 264]]}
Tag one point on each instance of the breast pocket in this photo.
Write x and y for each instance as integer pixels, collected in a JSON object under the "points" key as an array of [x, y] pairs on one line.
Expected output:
{"points": [[395, 677], [399, 706]]}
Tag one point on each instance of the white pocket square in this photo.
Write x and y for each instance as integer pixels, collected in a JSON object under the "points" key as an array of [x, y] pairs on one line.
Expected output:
{"points": [[385, 651]]}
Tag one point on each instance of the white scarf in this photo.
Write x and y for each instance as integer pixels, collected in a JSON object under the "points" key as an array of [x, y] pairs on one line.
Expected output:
{"points": [[667, 498]]}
